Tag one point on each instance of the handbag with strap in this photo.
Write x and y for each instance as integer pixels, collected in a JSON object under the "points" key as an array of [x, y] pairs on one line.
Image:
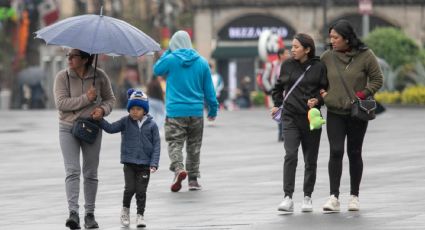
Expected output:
{"points": [[360, 109], [278, 115], [84, 129]]}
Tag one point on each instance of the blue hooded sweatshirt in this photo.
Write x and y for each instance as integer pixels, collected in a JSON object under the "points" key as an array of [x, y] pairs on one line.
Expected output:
{"points": [[188, 77]]}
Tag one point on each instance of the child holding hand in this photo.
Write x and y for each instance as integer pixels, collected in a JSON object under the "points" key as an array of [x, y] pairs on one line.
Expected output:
{"points": [[140, 151]]}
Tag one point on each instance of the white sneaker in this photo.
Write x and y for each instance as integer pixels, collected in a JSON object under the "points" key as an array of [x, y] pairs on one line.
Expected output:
{"points": [[307, 204], [125, 216], [332, 205], [353, 203], [287, 205], [140, 222]]}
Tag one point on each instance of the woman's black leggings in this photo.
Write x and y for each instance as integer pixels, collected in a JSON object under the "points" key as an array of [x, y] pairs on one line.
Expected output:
{"points": [[340, 127]]}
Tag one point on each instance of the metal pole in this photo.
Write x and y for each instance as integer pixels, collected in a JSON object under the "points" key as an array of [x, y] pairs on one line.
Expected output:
{"points": [[325, 21], [365, 26]]}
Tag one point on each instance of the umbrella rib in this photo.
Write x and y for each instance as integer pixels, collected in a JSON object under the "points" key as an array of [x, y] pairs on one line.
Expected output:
{"points": [[119, 28]]}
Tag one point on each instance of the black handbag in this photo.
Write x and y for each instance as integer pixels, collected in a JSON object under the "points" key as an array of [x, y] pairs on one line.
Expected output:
{"points": [[85, 129], [363, 109], [360, 109]]}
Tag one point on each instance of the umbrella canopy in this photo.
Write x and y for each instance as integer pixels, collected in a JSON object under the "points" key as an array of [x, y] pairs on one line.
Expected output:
{"points": [[99, 34]]}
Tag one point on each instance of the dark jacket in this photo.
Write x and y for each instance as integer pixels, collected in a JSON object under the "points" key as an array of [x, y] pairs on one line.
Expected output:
{"points": [[361, 72], [138, 146], [309, 87]]}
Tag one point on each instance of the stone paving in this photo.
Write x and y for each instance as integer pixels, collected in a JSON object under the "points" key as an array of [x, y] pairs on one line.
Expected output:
{"points": [[241, 166]]}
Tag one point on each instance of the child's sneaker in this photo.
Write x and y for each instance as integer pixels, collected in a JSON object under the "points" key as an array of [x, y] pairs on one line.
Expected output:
{"points": [[73, 222], [353, 203], [180, 175], [332, 205], [125, 216], [194, 185], [287, 205], [307, 204], [140, 222]]}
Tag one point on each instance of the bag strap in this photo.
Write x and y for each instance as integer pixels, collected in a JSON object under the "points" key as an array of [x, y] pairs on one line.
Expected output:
{"points": [[69, 87], [295, 85], [342, 79]]}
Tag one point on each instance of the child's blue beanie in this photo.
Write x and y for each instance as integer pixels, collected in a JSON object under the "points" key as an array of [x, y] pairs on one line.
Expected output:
{"points": [[137, 98]]}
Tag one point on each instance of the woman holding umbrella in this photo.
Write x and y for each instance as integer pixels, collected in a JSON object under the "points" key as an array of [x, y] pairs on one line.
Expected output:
{"points": [[76, 96]]}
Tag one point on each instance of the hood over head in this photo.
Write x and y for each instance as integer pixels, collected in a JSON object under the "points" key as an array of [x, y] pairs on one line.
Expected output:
{"points": [[180, 40]]}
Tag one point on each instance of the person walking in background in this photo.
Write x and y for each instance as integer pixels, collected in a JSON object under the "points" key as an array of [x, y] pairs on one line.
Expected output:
{"points": [[359, 67], [189, 86], [301, 79], [140, 152], [156, 101], [270, 76], [217, 82], [76, 97]]}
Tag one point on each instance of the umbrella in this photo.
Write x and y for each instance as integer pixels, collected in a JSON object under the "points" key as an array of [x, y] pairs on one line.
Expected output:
{"points": [[31, 75], [98, 34]]}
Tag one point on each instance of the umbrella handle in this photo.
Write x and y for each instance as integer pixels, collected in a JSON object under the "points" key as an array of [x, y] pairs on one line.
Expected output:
{"points": [[95, 68]]}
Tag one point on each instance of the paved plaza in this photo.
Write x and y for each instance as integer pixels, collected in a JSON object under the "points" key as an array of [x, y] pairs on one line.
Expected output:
{"points": [[241, 167]]}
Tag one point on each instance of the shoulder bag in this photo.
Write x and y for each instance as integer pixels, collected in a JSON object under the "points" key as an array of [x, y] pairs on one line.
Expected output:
{"points": [[84, 129]]}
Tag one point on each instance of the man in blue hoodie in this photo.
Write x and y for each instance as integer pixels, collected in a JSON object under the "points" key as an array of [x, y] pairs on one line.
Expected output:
{"points": [[189, 86]]}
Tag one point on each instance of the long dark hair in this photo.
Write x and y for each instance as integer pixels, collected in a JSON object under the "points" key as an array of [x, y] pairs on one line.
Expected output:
{"points": [[346, 30], [90, 58], [154, 89], [307, 42]]}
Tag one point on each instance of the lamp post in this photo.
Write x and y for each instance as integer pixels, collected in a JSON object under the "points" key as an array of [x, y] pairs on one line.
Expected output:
{"points": [[365, 8]]}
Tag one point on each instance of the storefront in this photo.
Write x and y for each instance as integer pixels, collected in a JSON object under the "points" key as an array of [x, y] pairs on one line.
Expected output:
{"points": [[236, 52]]}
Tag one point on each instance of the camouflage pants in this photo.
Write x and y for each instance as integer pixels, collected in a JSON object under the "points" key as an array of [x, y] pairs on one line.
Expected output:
{"points": [[177, 132]]}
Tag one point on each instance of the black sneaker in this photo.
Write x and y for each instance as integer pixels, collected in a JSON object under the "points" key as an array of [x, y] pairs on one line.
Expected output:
{"points": [[90, 222], [73, 222]]}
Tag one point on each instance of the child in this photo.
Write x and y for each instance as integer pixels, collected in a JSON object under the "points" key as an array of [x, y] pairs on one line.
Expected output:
{"points": [[140, 149]]}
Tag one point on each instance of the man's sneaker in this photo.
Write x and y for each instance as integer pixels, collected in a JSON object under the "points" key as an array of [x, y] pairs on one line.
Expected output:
{"points": [[307, 205], [180, 175], [332, 205], [90, 222], [353, 203], [140, 222], [125, 216], [73, 222], [287, 205], [194, 185]]}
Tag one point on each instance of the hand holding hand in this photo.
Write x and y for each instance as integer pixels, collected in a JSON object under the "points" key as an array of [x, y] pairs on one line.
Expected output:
{"points": [[97, 113], [91, 94], [323, 93], [312, 102]]}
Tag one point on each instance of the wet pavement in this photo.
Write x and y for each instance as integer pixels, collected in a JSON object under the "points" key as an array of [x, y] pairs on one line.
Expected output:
{"points": [[241, 166]]}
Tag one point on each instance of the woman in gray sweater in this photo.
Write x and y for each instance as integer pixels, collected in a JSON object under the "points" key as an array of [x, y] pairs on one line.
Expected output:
{"points": [[77, 97]]}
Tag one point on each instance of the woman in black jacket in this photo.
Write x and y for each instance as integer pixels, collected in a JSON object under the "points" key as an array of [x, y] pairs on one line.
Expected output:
{"points": [[296, 130]]}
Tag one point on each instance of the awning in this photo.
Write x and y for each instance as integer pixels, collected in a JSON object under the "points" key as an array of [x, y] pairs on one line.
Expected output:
{"points": [[228, 52]]}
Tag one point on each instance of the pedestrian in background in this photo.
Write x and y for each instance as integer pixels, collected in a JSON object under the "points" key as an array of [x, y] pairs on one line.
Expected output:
{"points": [[77, 97], [270, 76], [189, 86], [360, 70], [140, 152], [305, 68], [156, 102]]}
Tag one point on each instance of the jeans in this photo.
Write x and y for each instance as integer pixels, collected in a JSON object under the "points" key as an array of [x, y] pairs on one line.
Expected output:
{"points": [[71, 148]]}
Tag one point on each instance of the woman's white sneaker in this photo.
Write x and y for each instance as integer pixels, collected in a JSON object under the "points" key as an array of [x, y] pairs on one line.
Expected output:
{"points": [[307, 205], [140, 222], [353, 203], [332, 205], [287, 205]]}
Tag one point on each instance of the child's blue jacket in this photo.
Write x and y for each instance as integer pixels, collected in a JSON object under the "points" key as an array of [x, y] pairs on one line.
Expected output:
{"points": [[138, 146]]}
